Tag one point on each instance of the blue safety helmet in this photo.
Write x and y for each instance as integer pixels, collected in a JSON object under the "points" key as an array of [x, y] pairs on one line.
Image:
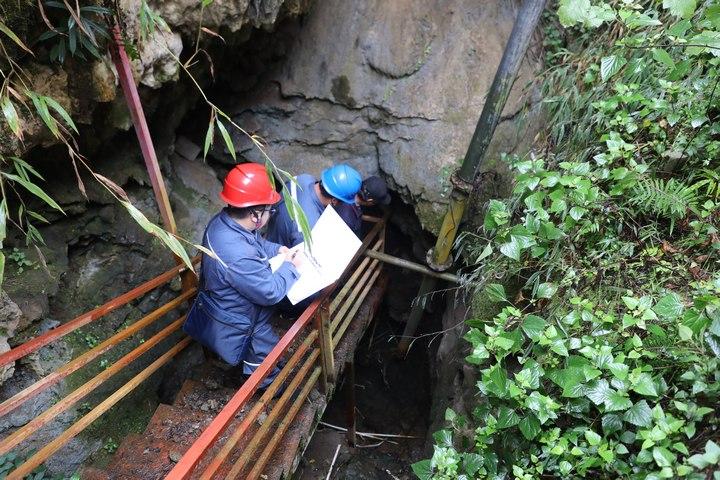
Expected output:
{"points": [[342, 182]]}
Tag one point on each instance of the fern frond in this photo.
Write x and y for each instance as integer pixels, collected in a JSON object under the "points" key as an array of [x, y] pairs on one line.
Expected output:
{"points": [[670, 198]]}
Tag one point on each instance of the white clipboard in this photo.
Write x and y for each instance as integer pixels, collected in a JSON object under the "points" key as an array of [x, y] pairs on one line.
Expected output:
{"points": [[333, 246]]}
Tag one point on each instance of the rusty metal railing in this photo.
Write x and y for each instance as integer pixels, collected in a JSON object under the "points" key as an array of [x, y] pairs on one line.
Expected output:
{"points": [[311, 342], [10, 404]]}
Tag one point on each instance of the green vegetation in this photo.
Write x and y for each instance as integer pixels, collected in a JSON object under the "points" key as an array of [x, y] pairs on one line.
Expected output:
{"points": [[605, 362]]}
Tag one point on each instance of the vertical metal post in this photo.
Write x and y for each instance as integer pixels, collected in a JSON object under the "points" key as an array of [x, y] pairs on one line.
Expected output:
{"points": [[132, 98], [350, 401], [127, 82], [439, 257], [327, 360]]}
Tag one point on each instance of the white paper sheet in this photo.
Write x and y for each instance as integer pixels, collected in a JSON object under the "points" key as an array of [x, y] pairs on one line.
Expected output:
{"points": [[333, 246]]}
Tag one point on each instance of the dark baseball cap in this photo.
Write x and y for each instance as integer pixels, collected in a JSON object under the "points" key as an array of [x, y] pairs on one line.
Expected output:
{"points": [[375, 189]]}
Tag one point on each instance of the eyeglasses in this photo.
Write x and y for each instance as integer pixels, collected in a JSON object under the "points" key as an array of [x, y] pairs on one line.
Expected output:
{"points": [[365, 194], [271, 210]]}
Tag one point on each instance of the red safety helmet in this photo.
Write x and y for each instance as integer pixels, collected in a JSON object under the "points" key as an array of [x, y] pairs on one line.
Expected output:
{"points": [[248, 184]]}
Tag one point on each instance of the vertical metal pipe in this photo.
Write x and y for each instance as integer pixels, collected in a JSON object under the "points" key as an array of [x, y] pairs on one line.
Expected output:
{"points": [[327, 361], [525, 23], [427, 285], [127, 82]]}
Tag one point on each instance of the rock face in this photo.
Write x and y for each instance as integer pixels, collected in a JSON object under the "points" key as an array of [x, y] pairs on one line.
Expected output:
{"points": [[391, 87]]}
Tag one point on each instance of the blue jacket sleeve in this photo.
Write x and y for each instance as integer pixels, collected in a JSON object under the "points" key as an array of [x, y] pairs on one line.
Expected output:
{"points": [[271, 248], [254, 279]]}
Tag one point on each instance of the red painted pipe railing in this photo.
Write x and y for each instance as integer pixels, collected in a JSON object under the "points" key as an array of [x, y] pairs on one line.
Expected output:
{"points": [[185, 467], [117, 302], [127, 82]]}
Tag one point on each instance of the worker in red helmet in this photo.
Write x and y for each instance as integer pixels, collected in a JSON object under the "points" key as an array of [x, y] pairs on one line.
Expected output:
{"points": [[238, 289]]}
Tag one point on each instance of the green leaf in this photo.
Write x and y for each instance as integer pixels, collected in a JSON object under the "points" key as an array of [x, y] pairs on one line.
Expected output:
{"points": [[496, 293], [22, 165], [533, 326], [576, 213], [617, 401], [684, 332], [573, 12], [669, 307], [496, 381], [598, 391], [42, 110], [680, 8], [712, 452], [529, 426], [661, 55], [611, 65], [663, 457], [227, 139], [12, 117], [529, 376], [631, 302], [169, 240], [61, 111], [443, 438], [209, 138], [423, 469], [511, 249], [705, 41], [696, 321], [6, 30], [639, 414], [546, 290], [472, 463], [558, 346], [35, 190], [2, 267], [592, 438], [611, 423], [487, 251], [645, 385], [478, 355], [507, 418]]}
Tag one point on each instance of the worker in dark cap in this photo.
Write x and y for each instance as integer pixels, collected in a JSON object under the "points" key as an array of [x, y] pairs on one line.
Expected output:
{"points": [[373, 191]]}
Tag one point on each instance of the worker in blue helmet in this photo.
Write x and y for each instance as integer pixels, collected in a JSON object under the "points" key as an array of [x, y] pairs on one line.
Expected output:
{"points": [[338, 184]]}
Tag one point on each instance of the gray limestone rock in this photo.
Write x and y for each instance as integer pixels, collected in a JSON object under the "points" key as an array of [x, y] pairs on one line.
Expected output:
{"points": [[391, 87]]}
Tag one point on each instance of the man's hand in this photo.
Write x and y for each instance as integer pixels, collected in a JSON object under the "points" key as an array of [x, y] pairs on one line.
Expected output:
{"points": [[283, 249], [296, 257]]}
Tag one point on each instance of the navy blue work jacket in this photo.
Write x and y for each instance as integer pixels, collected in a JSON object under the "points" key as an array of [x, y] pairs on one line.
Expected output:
{"points": [[238, 291], [283, 228], [351, 215]]}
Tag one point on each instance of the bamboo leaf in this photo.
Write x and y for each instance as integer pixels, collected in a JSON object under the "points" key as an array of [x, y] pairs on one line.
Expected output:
{"points": [[169, 240], [2, 267], [228, 140], [4, 28], [37, 216], [209, 137], [42, 110], [269, 171], [12, 117], [35, 190], [61, 111], [22, 164]]}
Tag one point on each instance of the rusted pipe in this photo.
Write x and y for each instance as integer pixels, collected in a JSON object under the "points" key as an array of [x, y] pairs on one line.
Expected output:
{"points": [[132, 98], [416, 267], [87, 317], [439, 257]]}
